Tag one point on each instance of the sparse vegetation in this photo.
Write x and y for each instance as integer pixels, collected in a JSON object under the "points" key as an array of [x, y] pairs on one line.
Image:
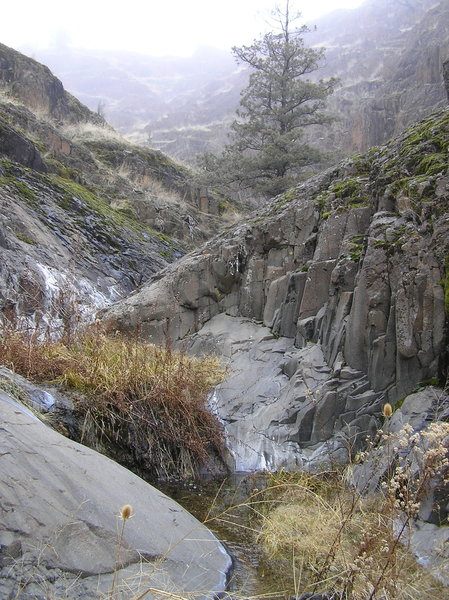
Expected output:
{"points": [[25, 238], [350, 193], [10, 179], [321, 536], [85, 130], [146, 406]]}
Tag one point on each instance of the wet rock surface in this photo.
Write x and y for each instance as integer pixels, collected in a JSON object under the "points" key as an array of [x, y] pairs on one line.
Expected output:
{"points": [[282, 407], [62, 256]]}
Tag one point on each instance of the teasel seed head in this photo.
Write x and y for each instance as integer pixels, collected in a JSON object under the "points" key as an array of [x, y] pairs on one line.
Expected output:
{"points": [[126, 512], [387, 410]]}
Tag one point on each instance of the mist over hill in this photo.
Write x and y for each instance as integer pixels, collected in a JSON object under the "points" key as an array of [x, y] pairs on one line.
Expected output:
{"points": [[387, 54], [178, 104]]}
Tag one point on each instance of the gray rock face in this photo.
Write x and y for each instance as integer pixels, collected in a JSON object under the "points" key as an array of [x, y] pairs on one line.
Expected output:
{"points": [[78, 228], [446, 76], [60, 523], [279, 404], [353, 264], [388, 56], [19, 148], [60, 257], [24, 77]]}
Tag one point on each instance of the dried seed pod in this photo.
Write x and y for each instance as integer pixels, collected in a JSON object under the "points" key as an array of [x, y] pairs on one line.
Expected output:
{"points": [[126, 512], [387, 410]]}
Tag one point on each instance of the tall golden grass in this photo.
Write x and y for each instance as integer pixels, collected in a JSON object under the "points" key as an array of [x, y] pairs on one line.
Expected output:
{"points": [[143, 404]]}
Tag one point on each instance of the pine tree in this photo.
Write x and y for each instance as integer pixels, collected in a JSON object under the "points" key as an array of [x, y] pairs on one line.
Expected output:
{"points": [[267, 152]]}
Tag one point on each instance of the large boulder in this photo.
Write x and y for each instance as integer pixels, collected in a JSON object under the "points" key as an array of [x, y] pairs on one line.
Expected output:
{"points": [[59, 534]]}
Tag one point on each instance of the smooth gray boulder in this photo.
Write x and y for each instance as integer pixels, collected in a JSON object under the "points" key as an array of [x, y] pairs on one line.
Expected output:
{"points": [[59, 523]]}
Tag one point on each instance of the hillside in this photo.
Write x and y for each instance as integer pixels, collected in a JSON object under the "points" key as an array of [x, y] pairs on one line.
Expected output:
{"points": [[86, 216], [387, 55], [171, 103]]}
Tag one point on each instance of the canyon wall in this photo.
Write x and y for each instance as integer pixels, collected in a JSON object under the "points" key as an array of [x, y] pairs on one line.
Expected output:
{"points": [[351, 266]]}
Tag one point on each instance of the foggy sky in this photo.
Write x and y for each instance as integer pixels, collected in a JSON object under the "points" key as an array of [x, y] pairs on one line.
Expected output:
{"points": [[155, 27]]}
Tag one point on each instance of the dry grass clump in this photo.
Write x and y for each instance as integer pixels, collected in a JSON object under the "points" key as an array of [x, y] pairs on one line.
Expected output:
{"points": [[80, 132], [32, 357], [321, 536], [142, 404], [301, 531]]}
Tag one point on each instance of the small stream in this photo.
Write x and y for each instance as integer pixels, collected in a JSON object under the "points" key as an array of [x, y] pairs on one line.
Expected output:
{"points": [[221, 507]]}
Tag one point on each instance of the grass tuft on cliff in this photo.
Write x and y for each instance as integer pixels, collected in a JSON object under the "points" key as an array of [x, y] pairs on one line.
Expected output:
{"points": [[144, 405]]}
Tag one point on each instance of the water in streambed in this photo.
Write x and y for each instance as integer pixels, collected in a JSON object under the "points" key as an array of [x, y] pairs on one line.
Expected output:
{"points": [[224, 509]]}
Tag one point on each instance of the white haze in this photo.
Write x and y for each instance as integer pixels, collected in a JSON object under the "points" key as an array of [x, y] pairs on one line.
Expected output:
{"points": [[154, 27]]}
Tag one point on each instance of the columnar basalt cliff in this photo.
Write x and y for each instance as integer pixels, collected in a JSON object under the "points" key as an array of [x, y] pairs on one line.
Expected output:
{"points": [[351, 266]]}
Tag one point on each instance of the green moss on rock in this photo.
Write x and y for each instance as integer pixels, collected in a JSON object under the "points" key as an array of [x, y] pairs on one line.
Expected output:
{"points": [[10, 178]]}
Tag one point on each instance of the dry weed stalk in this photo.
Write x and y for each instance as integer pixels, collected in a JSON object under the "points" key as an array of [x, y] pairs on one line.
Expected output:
{"points": [[342, 542], [125, 514]]}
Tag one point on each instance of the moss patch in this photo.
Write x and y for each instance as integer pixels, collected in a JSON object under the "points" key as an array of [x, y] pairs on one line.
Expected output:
{"points": [[10, 178], [23, 237]]}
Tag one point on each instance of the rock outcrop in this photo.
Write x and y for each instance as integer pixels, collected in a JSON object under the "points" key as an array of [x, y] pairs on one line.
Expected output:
{"points": [[39, 89], [446, 76], [85, 216], [20, 149], [60, 523], [65, 252], [352, 262], [389, 58]]}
